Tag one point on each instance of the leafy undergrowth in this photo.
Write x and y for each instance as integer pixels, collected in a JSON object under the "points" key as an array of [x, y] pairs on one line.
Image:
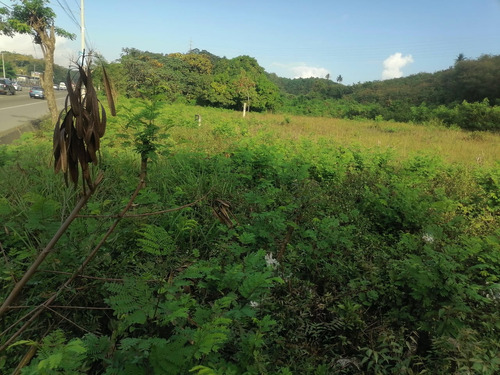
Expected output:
{"points": [[308, 259]]}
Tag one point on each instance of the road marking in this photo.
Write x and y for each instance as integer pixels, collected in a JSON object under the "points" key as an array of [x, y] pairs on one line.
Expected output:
{"points": [[25, 105]]}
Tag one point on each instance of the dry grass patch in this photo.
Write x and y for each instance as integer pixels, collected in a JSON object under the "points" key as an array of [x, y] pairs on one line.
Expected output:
{"points": [[404, 140]]}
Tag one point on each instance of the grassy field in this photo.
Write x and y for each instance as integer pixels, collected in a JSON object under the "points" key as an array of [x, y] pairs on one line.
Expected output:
{"points": [[404, 140]]}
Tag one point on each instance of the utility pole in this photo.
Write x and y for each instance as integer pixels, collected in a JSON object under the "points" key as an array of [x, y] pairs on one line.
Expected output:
{"points": [[3, 66], [82, 29]]}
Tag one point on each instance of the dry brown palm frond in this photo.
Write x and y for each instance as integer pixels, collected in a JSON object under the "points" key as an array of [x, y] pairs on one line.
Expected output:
{"points": [[222, 211], [80, 127]]}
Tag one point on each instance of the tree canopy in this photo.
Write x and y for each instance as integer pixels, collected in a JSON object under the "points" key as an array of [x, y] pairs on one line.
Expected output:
{"points": [[198, 77], [35, 18]]}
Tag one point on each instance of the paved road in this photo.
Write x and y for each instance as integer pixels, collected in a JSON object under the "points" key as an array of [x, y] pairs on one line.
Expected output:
{"points": [[17, 111]]}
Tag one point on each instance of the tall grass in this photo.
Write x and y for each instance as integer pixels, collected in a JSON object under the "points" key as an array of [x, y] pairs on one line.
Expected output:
{"points": [[221, 129]]}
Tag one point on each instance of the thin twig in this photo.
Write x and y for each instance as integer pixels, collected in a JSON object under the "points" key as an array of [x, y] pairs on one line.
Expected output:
{"points": [[37, 311], [108, 279], [18, 321], [85, 276], [41, 257], [147, 213], [68, 320], [65, 307], [34, 314]]}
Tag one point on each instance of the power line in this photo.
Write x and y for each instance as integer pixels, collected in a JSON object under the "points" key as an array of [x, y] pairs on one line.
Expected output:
{"points": [[69, 12], [7, 6]]}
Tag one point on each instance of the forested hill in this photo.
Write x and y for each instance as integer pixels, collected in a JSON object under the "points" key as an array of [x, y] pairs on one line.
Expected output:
{"points": [[471, 80], [468, 79], [466, 95], [310, 87], [17, 64]]}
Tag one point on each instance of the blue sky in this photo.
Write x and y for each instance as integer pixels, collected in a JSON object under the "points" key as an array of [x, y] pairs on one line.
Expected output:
{"points": [[361, 40]]}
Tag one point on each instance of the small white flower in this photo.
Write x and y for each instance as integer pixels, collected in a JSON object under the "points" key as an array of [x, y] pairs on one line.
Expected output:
{"points": [[427, 237], [254, 304], [271, 262]]}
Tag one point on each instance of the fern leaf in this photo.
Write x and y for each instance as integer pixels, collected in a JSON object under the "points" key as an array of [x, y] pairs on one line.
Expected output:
{"points": [[155, 240]]}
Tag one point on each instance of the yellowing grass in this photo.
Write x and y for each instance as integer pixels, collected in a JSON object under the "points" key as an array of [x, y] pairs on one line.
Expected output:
{"points": [[453, 145], [405, 140]]}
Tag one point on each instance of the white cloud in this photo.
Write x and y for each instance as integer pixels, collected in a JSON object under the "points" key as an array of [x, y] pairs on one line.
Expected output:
{"points": [[23, 44], [300, 70], [393, 65], [304, 71]]}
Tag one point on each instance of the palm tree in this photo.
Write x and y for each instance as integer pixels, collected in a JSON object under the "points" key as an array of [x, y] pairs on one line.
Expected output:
{"points": [[460, 57]]}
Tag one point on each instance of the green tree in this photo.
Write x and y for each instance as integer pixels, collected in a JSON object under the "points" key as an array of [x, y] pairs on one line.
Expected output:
{"points": [[4, 25], [460, 57], [35, 18], [245, 89], [241, 80], [9, 70]]}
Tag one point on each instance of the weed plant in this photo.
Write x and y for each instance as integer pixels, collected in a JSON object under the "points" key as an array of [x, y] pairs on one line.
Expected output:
{"points": [[313, 247]]}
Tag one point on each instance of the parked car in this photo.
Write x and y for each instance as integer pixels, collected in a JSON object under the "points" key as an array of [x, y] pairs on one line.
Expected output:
{"points": [[6, 87], [55, 86], [62, 86], [17, 86], [37, 92]]}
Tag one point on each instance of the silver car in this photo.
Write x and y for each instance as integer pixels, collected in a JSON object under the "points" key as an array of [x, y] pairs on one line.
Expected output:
{"points": [[6, 87], [17, 86]]}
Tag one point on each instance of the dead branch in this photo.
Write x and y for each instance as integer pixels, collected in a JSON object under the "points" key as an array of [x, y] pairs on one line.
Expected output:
{"points": [[65, 307], [38, 310], [107, 279], [147, 213], [68, 320], [31, 271]]}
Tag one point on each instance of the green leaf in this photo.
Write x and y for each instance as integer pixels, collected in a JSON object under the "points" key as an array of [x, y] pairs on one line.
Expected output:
{"points": [[76, 346], [203, 370], [23, 342], [52, 362]]}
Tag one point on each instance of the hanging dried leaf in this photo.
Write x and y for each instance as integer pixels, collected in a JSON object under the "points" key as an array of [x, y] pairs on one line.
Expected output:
{"points": [[80, 127], [109, 92], [73, 97]]}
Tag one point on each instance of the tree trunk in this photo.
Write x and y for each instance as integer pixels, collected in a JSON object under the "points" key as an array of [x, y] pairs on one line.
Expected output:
{"points": [[48, 45]]}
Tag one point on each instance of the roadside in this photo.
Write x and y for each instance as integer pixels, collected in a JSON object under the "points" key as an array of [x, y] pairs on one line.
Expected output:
{"points": [[10, 135], [19, 114]]}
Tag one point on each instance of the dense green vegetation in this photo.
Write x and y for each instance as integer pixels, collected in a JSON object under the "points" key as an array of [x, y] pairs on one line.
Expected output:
{"points": [[294, 255], [464, 95], [18, 64]]}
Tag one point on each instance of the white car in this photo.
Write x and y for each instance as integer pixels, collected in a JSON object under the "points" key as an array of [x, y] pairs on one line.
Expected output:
{"points": [[62, 86], [17, 86]]}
